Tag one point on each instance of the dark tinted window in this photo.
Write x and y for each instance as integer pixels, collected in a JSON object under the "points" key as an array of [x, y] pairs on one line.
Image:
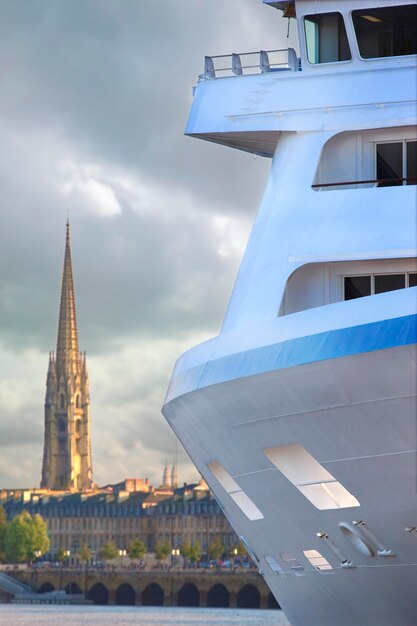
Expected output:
{"points": [[412, 280], [389, 282], [389, 163], [357, 287], [386, 32], [411, 162], [326, 38]]}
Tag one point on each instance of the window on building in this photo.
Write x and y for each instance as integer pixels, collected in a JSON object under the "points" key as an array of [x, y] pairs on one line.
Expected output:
{"points": [[326, 38], [77, 401], [396, 163], [62, 426], [386, 32], [61, 401], [360, 286], [310, 477], [78, 426]]}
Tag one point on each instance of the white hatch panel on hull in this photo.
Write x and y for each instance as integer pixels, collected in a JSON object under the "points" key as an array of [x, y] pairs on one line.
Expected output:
{"points": [[238, 496], [311, 479]]}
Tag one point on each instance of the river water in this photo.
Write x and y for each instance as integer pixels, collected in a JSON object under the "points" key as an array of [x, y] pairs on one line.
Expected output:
{"points": [[56, 615]]}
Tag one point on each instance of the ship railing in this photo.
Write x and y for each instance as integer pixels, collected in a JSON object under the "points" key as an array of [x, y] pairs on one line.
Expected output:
{"points": [[373, 182], [262, 61]]}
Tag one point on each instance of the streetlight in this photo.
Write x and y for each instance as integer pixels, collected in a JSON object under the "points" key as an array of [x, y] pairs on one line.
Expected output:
{"points": [[175, 552], [122, 553]]}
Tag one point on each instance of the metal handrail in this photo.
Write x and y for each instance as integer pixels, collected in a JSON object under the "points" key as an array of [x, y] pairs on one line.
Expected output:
{"points": [[243, 54], [237, 68], [365, 182]]}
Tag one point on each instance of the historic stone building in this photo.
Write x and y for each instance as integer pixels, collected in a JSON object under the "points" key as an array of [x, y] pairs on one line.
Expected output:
{"points": [[188, 515], [67, 461], [193, 515]]}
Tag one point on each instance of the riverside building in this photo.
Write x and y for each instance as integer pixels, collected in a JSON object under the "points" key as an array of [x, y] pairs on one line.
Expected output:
{"points": [[188, 515]]}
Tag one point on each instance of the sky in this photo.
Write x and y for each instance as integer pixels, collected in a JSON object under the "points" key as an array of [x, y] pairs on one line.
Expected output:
{"points": [[94, 99]]}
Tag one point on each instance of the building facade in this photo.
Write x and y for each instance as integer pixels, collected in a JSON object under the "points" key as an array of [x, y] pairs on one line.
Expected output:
{"points": [[189, 515], [67, 463]]}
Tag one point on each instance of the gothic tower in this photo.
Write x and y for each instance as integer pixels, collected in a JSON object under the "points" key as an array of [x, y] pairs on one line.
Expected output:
{"points": [[67, 449], [166, 479]]}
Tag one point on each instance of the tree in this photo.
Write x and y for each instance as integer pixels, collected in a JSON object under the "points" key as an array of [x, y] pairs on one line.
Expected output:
{"points": [[84, 552], [60, 555], [136, 549], [216, 549], [185, 550], [26, 538], [108, 551], [161, 550], [40, 539], [3, 530], [195, 552]]}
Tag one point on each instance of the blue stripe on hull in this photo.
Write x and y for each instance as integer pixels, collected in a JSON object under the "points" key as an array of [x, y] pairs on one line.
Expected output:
{"points": [[333, 344]]}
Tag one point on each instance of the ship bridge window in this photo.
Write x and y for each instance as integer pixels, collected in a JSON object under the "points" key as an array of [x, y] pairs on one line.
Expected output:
{"points": [[386, 32], [396, 163], [360, 286], [326, 38]]}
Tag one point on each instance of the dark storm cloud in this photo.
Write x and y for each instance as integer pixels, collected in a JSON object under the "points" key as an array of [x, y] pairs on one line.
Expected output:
{"points": [[95, 96]]}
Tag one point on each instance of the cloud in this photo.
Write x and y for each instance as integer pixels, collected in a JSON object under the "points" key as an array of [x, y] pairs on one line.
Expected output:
{"points": [[95, 99]]}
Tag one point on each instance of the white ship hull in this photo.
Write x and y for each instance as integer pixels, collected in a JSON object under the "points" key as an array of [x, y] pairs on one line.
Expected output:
{"points": [[302, 414], [356, 414]]}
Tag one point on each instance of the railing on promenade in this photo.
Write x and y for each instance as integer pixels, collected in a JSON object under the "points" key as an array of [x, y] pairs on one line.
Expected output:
{"points": [[12, 586]]}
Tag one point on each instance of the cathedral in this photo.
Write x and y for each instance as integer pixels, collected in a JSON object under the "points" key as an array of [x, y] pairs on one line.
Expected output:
{"points": [[67, 464]]}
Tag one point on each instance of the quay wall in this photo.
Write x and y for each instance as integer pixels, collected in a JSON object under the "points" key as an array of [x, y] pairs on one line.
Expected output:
{"points": [[241, 589]]}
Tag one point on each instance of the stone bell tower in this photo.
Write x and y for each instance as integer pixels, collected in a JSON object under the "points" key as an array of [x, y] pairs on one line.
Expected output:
{"points": [[67, 461]]}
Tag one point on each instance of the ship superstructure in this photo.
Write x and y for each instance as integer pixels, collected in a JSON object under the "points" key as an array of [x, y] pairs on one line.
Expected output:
{"points": [[301, 415]]}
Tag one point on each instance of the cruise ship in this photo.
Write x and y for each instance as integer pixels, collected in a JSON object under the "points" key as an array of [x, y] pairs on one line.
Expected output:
{"points": [[301, 415]]}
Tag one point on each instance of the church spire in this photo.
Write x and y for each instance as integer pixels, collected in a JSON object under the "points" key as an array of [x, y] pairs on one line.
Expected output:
{"points": [[67, 462], [67, 343]]}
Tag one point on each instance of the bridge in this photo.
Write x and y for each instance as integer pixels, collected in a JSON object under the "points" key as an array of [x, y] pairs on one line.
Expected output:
{"points": [[196, 588]]}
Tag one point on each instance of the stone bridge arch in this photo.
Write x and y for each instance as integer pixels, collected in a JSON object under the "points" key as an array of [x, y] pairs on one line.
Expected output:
{"points": [[218, 596], [45, 587], [125, 595], [153, 595], [248, 597], [99, 594], [72, 588], [188, 595]]}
